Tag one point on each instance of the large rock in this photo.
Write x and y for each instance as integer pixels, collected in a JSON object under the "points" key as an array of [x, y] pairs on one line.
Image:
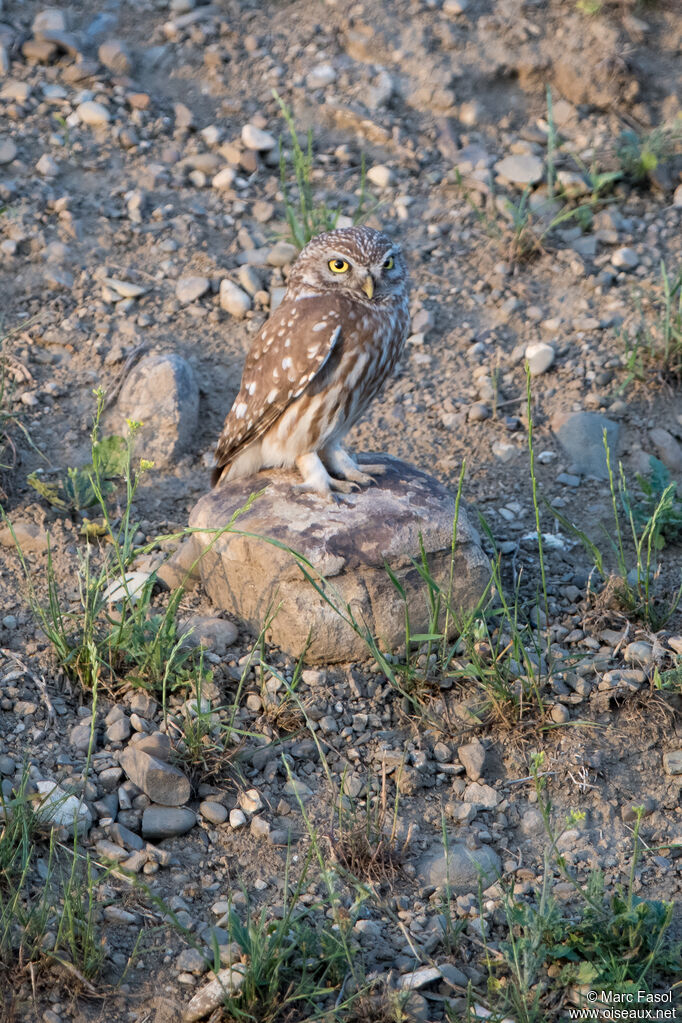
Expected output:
{"points": [[460, 868], [161, 392], [348, 542]]}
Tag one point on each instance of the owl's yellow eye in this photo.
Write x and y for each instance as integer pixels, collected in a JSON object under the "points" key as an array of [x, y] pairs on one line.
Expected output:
{"points": [[389, 264], [338, 266]]}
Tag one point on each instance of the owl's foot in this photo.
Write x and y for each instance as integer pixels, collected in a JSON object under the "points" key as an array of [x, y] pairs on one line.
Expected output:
{"points": [[339, 462], [316, 479], [374, 470]]}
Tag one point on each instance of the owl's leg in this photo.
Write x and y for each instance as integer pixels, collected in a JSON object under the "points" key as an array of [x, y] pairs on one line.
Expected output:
{"points": [[339, 463], [317, 479]]}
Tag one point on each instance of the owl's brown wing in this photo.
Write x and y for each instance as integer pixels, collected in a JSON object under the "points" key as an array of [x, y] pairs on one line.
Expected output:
{"points": [[288, 353]]}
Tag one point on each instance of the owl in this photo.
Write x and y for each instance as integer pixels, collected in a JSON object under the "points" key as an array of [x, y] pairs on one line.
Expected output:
{"points": [[318, 362]]}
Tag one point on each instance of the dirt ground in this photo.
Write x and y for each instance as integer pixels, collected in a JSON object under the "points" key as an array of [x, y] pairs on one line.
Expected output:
{"points": [[435, 97]]}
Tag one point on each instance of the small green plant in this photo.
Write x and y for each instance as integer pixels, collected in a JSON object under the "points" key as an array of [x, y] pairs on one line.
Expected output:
{"points": [[307, 217], [117, 632], [48, 918], [655, 345], [668, 523], [641, 155], [590, 7], [606, 941], [633, 586], [79, 489]]}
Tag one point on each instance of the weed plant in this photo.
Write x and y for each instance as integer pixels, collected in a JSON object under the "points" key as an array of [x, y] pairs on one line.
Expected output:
{"points": [[654, 348], [307, 217]]}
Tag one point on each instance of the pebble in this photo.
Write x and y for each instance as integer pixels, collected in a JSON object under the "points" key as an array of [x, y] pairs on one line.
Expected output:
{"points": [[62, 809], [215, 813], [216, 634], [92, 113], [162, 782], [47, 167], [625, 258], [472, 756], [237, 819], [540, 357], [189, 289], [320, 77], [233, 299], [224, 178], [256, 139], [460, 867], [380, 175], [638, 653], [250, 801], [282, 254], [455, 7], [520, 169], [672, 762], [115, 56], [159, 822], [212, 994], [8, 151]]}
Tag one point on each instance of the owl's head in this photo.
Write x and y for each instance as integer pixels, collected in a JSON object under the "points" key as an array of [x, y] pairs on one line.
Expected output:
{"points": [[358, 261]]}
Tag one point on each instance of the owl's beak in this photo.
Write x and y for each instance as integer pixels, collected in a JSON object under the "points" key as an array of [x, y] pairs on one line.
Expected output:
{"points": [[368, 286]]}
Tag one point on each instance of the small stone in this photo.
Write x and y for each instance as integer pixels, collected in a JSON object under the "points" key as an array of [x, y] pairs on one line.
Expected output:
{"points": [[560, 714], [111, 851], [46, 166], [454, 7], [233, 300], [224, 178], [60, 808], [669, 449], [380, 175], [520, 168], [162, 782], [28, 536], [472, 756], [460, 868], [581, 435], [250, 801], [282, 254], [260, 828], [625, 258], [421, 977], [237, 819], [215, 813], [226, 982], [79, 736], [189, 289], [93, 114], [126, 289], [481, 795], [159, 822], [256, 139], [540, 357], [119, 730], [320, 77], [677, 197], [478, 412], [52, 19], [672, 762], [216, 634], [638, 653], [8, 151], [115, 56]]}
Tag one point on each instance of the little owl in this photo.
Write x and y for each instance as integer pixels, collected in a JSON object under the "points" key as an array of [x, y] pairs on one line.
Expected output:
{"points": [[318, 361]]}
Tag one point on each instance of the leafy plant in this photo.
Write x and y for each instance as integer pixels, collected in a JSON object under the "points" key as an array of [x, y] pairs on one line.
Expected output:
{"points": [[656, 343], [633, 585], [641, 155], [79, 489], [668, 527]]}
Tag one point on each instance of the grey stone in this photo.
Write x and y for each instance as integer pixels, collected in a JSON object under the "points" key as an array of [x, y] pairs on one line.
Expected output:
{"points": [[472, 756], [161, 392], [115, 56], [481, 795], [460, 868], [215, 813], [62, 809], [668, 448], [159, 822], [216, 634], [520, 168], [625, 258], [233, 299], [119, 730], [162, 782], [125, 837], [8, 151], [79, 736], [156, 744], [93, 114], [540, 357], [348, 544], [189, 289], [581, 436], [257, 139]]}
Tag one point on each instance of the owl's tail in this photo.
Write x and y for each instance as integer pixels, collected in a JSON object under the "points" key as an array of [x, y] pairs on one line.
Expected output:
{"points": [[217, 474]]}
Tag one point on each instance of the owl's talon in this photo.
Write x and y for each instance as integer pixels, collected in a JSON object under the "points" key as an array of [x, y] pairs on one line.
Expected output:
{"points": [[343, 486], [373, 470]]}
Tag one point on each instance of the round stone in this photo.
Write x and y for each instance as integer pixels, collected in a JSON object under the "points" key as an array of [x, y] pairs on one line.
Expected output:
{"points": [[520, 169], [7, 151], [257, 139], [92, 113], [540, 357]]}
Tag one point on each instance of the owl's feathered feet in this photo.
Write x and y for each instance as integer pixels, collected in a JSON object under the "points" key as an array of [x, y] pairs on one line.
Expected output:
{"points": [[334, 470]]}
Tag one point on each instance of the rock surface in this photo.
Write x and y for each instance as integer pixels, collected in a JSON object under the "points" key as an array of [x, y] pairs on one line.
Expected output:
{"points": [[347, 543], [161, 393], [461, 867], [581, 435]]}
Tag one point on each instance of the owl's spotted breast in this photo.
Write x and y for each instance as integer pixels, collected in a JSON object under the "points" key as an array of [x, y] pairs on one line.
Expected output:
{"points": [[319, 360]]}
